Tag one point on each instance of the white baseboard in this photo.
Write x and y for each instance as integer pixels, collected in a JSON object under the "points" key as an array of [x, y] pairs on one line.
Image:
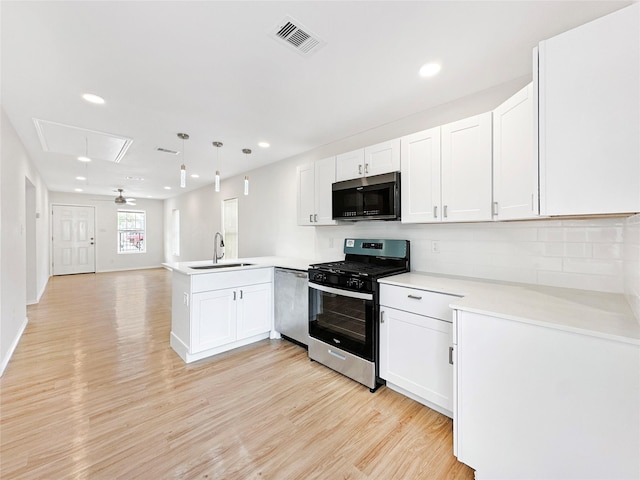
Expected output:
{"points": [[128, 269], [14, 344]]}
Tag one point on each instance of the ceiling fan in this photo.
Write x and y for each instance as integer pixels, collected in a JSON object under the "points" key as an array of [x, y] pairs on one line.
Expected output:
{"points": [[120, 200]]}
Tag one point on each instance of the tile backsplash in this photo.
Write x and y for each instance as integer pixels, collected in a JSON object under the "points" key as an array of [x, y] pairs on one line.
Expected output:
{"points": [[632, 263], [586, 253]]}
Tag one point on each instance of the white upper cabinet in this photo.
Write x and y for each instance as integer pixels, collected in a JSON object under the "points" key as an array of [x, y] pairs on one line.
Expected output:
{"points": [[382, 158], [466, 169], [314, 192], [515, 160], [306, 194], [590, 117], [350, 165], [373, 160], [325, 176], [420, 176]]}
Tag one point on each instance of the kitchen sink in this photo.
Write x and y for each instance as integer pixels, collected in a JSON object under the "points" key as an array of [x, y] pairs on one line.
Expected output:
{"points": [[221, 265]]}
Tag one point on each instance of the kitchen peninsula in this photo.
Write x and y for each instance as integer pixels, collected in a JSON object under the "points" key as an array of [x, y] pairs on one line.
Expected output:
{"points": [[237, 294]]}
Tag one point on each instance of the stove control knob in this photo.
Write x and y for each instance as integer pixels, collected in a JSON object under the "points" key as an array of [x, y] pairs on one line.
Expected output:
{"points": [[355, 283], [320, 277]]}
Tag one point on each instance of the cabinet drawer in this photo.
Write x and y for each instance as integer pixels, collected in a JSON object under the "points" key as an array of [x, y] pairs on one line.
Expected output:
{"points": [[422, 302]]}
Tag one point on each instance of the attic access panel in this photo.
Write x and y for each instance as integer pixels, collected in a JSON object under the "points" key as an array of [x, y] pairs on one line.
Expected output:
{"points": [[76, 141]]}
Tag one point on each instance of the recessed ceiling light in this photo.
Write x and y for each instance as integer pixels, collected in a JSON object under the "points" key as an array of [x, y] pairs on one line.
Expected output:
{"points": [[149, 196], [429, 69], [195, 175], [93, 98], [81, 178], [264, 145], [78, 189], [167, 188], [137, 179], [84, 159]]}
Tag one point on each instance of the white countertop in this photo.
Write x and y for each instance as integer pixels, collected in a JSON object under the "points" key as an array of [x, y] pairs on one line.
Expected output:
{"points": [[257, 262], [605, 315]]}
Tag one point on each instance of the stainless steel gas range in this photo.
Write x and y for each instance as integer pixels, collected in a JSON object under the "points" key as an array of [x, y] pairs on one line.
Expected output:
{"points": [[344, 306]]}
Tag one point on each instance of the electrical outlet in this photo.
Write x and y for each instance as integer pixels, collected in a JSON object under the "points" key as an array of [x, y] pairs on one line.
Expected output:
{"points": [[435, 246], [185, 298]]}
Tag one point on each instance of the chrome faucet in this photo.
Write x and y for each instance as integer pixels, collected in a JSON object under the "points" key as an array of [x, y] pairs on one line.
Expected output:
{"points": [[215, 247]]}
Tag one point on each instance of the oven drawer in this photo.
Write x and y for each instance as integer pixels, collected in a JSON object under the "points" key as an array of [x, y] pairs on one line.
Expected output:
{"points": [[422, 302]]}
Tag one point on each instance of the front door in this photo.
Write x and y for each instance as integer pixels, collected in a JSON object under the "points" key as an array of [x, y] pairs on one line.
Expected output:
{"points": [[73, 239]]}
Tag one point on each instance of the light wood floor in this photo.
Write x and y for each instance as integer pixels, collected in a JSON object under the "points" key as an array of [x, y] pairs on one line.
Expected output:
{"points": [[93, 391]]}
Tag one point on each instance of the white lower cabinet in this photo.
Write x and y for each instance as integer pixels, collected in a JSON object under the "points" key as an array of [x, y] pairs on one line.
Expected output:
{"points": [[213, 319], [224, 316], [208, 318], [534, 401], [416, 345]]}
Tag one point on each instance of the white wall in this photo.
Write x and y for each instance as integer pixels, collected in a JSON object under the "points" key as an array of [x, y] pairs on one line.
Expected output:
{"points": [[17, 171], [107, 257], [632, 263]]}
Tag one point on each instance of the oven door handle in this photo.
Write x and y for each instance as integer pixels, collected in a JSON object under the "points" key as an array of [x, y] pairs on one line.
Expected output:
{"points": [[343, 293]]}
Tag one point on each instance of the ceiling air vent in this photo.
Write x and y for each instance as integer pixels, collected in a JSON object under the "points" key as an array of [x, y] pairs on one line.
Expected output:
{"points": [[297, 36], [166, 150]]}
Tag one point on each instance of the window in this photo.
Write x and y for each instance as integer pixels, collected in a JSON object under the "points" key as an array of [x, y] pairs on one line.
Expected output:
{"points": [[131, 231]]}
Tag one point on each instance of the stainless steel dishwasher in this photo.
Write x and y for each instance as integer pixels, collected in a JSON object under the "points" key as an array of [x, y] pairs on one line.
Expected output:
{"points": [[291, 292]]}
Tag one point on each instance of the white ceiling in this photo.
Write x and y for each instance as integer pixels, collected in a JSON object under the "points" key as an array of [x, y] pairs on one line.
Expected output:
{"points": [[210, 69]]}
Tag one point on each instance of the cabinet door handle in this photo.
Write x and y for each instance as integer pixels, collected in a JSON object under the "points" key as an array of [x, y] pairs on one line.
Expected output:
{"points": [[435, 211], [450, 355], [382, 316], [310, 218], [359, 169], [495, 209], [315, 217], [234, 295], [415, 297], [366, 168], [240, 294], [444, 211]]}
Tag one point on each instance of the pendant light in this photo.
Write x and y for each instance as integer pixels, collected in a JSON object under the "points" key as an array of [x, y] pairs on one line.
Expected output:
{"points": [[217, 179], [183, 168], [246, 151]]}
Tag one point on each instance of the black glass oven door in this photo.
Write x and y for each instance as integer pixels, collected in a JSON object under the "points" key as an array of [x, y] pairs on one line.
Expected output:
{"points": [[343, 319]]}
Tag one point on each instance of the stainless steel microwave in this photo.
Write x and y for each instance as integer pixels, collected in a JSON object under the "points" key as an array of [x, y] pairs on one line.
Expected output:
{"points": [[367, 198]]}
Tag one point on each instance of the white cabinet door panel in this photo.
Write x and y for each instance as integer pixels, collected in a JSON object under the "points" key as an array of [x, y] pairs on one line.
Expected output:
{"points": [[382, 158], [350, 165], [325, 176], [466, 169], [590, 117], [213, 319], [515, 164], [414, 355], [254, 310], [420, 170], [306, 194]]}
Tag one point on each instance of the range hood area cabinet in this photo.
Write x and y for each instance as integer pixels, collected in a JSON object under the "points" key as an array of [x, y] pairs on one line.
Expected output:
{"points": [[590, 117], [372, 160], [446, 172], [314, 192]]}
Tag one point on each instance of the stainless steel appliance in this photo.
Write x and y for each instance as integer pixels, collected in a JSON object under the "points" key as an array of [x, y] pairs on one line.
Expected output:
{"points": [[292, 304], [367, 198], [344, 306]]}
